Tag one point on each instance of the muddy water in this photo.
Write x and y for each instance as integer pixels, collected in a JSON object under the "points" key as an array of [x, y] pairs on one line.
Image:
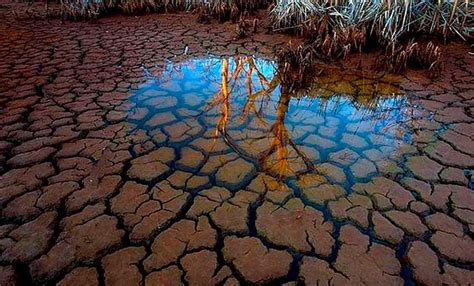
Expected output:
{"points": [[344, 127]]}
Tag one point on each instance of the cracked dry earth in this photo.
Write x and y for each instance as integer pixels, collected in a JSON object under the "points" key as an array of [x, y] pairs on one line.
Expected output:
{"points": [[125, 162]]}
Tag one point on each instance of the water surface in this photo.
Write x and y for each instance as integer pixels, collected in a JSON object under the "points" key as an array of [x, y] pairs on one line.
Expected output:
{"points": [[344, 126]]}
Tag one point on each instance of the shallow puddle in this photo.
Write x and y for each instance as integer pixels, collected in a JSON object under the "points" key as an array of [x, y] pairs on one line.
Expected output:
{"points": [[343, 126]]}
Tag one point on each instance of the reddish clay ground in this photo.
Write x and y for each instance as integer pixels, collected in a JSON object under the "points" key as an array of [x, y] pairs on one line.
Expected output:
{"points": [[83, 202]]}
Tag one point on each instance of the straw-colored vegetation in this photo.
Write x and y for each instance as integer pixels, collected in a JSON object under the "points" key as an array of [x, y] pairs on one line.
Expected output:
{"points": [[387, 20], [221, 9], [409, 32]]}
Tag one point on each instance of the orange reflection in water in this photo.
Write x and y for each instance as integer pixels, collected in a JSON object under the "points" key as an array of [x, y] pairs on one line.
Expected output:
{"points": [[278, 164], [240, 76]]}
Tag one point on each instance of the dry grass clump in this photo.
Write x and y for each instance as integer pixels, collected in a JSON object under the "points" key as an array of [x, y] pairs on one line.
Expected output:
{"points": [[337, 27], [292, 15], [295, 68], [220, 9], [426, 55], [224, 10], [245, 27], [387, 19]]}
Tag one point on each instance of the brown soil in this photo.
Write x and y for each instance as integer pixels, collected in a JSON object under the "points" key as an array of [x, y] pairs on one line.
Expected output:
{"points": [[85, 202]]}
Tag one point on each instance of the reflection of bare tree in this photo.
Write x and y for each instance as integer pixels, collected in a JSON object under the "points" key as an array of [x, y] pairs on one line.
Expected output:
{"points": [[281, 142], [246, 68], [243, 75], [276, 158], [222, 124]]}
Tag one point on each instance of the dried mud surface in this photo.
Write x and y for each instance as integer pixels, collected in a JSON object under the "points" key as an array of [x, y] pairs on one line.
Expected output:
{"points": [[84, 201]]}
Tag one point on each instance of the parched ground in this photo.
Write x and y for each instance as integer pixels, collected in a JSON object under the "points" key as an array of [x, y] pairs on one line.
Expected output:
{"points": [[86, 202]]}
